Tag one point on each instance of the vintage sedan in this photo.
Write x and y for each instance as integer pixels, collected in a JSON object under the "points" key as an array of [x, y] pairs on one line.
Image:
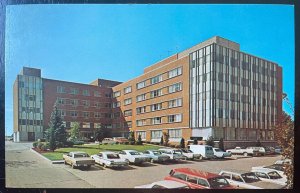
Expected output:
{"points": [[278, 167], [247, 180], [78, 159], [174, 154], [197, 179], [190, 154], [109, 159], [133, 156], [156, 156], [218, 153], [284, 161], [270, 175], [165, 184]]}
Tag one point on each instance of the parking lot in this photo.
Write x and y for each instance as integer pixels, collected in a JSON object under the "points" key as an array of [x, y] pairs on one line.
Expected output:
{"points": [[146, 173], [21, 163]]}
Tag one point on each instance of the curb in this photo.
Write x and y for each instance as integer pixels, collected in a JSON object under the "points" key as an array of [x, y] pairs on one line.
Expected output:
{"points": [[53, 162]]}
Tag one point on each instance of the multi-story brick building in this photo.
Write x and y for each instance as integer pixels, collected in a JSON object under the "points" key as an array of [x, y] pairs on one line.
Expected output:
{"points": [[212, 89]]}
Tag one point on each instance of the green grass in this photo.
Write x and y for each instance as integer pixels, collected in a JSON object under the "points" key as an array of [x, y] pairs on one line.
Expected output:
{"points": [[94, 149]]}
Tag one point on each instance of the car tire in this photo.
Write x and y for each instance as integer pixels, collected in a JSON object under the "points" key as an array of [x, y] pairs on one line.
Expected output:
{"points": [[201, 157], [73, 166], [245, 154], [65, 162], [104, 165], [151, 160], [88, 167]]}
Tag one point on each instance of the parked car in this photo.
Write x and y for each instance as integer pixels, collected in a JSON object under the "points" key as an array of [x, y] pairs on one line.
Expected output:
{"points": [[120, 140], [248, 180], [269, 150], [109, 141], [156, 156], [174, 154], [165, 184], [205, 151], [258, 151], [109, 159], [278, 150], [278, 167], [78, 159], [284, 161], [190, 154], [197, 179], [242, 151], [218, 153], [270, 175], [133, 156]]}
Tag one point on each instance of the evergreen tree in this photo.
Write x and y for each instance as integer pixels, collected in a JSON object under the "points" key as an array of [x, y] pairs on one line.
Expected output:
{"points": [[139, 141], [75, 130], [210, 141], [161, 140], [131, 138], [182, 143], [166, 138], [101, 132], [258, 143], [51, 139]]}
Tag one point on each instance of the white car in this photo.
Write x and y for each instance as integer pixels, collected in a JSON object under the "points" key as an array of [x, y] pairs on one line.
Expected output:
{"points": [[247, 180], [109, 159], [107, 141], [174, 154], [133, 156], [283, 161], [270, 175], [279, 168], [165, 184], [218, 153], [190, 154], [240, 151]]}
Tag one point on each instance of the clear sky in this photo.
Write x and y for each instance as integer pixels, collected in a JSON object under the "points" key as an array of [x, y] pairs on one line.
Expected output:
{"points": [[81, 43]]}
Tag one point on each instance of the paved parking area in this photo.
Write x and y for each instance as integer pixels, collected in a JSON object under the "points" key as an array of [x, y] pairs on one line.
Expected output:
{"points": [[134, 175], [25, 169]]}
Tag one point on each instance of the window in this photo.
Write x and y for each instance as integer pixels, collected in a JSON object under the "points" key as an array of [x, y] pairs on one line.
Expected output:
{"points": [[97, 114], [117, 94], [175, 103], [108, 95], [107, 105], [107, 115], [220, 112], [175, 87], [116, 104], [127, 90], [61, 113], [74, 102], [141, 122], [203, 182], [141, 97], [86, 114], [117, 114], [86, 125], [21, 84], [142, 134], [175, 72], [156, 93], [174, 118], [85, 103], [127, 101], [97, 94], [156, 107], [140, 110], [128, 113], [237, 178], [86, 92], [175, 133], [129, 124], [156, 120], [98, 104], [156, 134], [261, 175], [61, 89], [74, 91], [191, 179], [156, 79], [141, 85], [61, 101], [73, 114]]}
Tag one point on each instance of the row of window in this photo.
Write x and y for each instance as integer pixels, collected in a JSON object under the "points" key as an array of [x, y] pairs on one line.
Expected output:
{"points": [[223, 113], [31, 110], [86, 114], [154, 80], [157, 134], [30, 122], [154, 107], [86, 103], [85, 92], [158, 120]]}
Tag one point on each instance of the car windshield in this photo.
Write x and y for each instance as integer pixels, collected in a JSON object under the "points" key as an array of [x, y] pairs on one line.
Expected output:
{"points": [[250, 177], [274, 175], [177, 152], [113, 156], [187, 151], [218, 182], [134, 153], [156, 152], [81, 155], [276, 167], [218, 150], [209, 148]]}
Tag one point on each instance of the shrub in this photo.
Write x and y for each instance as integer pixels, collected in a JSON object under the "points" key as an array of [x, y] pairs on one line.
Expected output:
{"points": [[210, 141], [39, 145], [195, 142], [177, 146], [69, 144], [42, 140], [35, 144], [59, 144], [182, 143], [221, 144], [126, 143], [139, 141], [45, 146], [161, 140]]}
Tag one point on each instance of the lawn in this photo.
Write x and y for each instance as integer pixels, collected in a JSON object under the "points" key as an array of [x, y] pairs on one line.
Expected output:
{"points": [[94, 149]]}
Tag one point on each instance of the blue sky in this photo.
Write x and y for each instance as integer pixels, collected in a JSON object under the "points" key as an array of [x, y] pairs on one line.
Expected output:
{"points": [[81, 43]]}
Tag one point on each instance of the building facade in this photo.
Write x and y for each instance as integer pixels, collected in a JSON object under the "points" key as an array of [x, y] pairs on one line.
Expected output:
{"points": [[211, 89]]}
